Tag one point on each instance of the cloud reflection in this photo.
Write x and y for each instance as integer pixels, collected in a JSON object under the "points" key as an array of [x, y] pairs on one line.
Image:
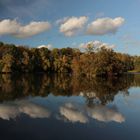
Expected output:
{"points": [[76, 113], [105, 114], [11, 110], [73, 114]]}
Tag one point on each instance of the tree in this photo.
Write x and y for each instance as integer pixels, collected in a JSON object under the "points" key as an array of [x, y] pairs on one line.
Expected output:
{"points": [[137, 63], [8, 63], [44, 54], [106, 62], [93, 62], [90, 48]]}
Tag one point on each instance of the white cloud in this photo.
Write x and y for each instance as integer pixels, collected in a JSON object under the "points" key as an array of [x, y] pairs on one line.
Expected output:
{"points": [[71, 26], [96, 44], [14, 28], [73, 114], [102, 26], [10, 110], [61, 21], [49, 46], [105, 114]]}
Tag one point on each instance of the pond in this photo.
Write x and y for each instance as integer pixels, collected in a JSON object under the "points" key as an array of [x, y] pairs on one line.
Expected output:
{"points": [[62, 107]]}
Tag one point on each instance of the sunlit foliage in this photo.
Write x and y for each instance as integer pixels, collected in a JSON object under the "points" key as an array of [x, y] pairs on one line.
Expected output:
{"points": [[93, 62]]}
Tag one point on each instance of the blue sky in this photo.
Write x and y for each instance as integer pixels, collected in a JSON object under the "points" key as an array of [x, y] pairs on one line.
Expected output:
{"points": [[75, 17]]}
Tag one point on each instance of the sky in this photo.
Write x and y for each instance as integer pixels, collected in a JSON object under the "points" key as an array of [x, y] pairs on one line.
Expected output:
{"points": [[72, 23]]}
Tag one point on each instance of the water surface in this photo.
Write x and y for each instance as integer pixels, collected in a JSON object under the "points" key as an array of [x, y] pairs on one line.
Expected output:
{"points": [[57, 107]]}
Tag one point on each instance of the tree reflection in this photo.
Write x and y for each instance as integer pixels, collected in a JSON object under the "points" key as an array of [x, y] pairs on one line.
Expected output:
{"points": [[96, 90]]}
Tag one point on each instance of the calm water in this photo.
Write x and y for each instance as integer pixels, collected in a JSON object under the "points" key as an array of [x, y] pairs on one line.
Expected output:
{"points": [[62, 107]]}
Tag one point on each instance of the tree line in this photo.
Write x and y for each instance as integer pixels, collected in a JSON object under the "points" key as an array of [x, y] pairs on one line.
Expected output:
{"points": [[90, 63]]}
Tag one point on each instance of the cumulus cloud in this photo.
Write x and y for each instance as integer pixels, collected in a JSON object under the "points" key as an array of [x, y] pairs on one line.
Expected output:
{"points": [[103, 26], [10, 110], [61, 21], [49, 46], [72, 113], [14, 28], [96, 44], [105, 114], [71, 26]]}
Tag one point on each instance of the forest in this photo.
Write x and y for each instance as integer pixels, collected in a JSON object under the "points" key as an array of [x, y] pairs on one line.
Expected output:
{"points": [[90, 63]]}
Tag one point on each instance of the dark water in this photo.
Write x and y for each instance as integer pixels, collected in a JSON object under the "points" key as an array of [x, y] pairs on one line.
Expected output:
{"points": [[61, 107]]}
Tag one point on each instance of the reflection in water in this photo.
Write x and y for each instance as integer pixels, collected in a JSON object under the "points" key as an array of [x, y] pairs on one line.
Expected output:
{"points": [[105, 114], [77, 113], [12, 87], [73, 113], [10, 110], [96, 93]]}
